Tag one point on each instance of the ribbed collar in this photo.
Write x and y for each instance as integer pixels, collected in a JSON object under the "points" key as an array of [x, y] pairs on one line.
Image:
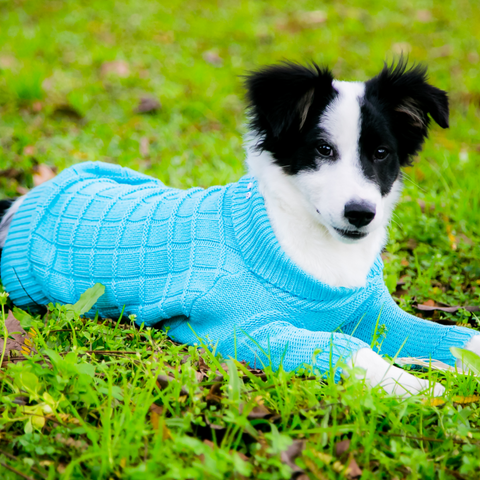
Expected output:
{"points": [[264, 256]]}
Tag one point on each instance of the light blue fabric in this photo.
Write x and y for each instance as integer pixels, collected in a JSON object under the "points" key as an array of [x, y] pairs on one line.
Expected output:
{"points": [[204, 263]]}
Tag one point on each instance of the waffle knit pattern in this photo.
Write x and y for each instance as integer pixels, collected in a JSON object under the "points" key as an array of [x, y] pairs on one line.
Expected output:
{"points": [[203, 263]]}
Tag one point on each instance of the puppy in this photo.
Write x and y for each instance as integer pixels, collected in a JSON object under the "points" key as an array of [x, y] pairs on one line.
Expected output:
{"points": [[282, 267]]}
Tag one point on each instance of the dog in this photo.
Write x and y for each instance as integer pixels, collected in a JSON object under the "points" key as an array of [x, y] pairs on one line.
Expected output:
{"points": [[282, 267]]}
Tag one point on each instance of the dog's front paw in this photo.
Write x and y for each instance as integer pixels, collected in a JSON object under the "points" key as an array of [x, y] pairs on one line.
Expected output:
{"points": [[393, 380], [401, 383], [473, 345]]}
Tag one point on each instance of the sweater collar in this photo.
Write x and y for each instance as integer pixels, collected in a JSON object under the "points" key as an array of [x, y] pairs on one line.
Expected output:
{"points": [[264, 256]]}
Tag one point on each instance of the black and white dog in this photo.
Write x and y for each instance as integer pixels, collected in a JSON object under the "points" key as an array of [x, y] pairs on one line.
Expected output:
{"points": [[327, 156]]}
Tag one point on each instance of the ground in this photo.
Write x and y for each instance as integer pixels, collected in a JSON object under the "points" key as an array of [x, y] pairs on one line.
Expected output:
{"points": [[157, 86]]}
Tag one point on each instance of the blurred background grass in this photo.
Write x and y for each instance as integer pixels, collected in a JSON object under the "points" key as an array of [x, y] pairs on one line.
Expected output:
{"points": [[73, 74]]}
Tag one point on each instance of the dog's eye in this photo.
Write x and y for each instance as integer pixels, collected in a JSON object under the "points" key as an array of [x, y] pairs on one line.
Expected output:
{"points": [[325, 150], [381, 153]]}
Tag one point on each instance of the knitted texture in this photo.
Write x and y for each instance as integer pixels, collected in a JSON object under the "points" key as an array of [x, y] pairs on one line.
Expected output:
{"points": [[203, 264]]}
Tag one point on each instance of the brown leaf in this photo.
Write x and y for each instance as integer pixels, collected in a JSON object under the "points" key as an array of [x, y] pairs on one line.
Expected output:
{"points": [[424, 16], [185, 357], [145, 148], [202, 366], [164, 381], [214, 426], [156, 408], [313, 18], [412, 244], [7, 61], [431, 305], [37, 106], [15, 341], [42, 174], [214, 396], [155, 412], [29, 150], [259, 411], [353, 470], [213, 58], [68, 112], [148, 105], [341, 447], [291, 453], [71, 442], [119, 68]]}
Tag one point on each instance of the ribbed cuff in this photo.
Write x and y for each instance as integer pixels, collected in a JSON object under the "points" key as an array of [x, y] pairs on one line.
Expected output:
{"points": [[343, 348], [455, 337]]}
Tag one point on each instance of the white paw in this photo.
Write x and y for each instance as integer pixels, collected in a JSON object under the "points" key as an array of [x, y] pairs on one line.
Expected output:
{"points": [[401, 383], [473, 345], [392, 379]]}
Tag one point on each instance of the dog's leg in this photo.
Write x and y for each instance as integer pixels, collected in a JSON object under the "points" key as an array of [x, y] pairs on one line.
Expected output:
{"points": [[267, 340], [394, 380], [410, 336]]}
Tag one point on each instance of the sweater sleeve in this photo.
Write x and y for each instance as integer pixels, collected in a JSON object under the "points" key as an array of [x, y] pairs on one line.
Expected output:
{"points": [[405, 335], [270, 339]]}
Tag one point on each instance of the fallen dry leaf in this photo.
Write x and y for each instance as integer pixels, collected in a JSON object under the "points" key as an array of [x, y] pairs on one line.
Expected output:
{"points": [[460, 399], [424, 16], [202, 366], [42, 174], [313, 18], [144, 146], [431, 305], [16, 337], [353, 470], [259, 411], [71, 442], [164, 381], [65, 111], [434, 402], [37, 106], [341, 447], [213, 58], [148, 105], [291, 453], [214, 396], [116, 67], [29, 150]]}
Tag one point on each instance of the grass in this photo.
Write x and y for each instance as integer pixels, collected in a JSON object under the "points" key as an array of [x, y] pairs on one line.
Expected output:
{"points": [[71, 77]]}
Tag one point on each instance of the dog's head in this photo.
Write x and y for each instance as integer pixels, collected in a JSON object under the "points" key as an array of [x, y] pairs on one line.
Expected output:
{"points": [[343, 143]]}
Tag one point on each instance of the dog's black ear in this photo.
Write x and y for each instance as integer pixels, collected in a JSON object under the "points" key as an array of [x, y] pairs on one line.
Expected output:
{"points": [[281, 96], [409, 100]]}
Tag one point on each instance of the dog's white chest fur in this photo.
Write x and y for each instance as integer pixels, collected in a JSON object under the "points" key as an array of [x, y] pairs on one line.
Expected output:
{"points": [[306, 241]]}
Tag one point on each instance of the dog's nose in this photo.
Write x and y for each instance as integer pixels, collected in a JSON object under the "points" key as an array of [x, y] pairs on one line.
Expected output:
{"points": [[359, 214]]}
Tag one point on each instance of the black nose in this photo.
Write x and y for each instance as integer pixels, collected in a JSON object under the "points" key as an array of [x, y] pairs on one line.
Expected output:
{"points": [[359, 214]]}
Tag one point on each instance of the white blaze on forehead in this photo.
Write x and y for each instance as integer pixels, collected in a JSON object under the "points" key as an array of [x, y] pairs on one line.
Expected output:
{"points": [[341, 119]]}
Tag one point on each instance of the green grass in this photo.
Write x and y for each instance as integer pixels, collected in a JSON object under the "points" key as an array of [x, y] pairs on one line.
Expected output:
{"points": [[69, 413]]}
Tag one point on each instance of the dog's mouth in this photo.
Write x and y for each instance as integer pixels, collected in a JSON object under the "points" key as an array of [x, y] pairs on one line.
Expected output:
{"points": [[351, 234]]}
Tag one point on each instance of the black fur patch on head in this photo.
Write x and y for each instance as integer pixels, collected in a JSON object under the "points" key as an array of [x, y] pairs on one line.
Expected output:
{"points": [[375, 132], [285, 103], [404, 98]]}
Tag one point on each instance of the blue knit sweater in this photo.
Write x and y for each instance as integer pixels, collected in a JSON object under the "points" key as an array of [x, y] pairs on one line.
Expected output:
{"points": [[204, 263]]}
